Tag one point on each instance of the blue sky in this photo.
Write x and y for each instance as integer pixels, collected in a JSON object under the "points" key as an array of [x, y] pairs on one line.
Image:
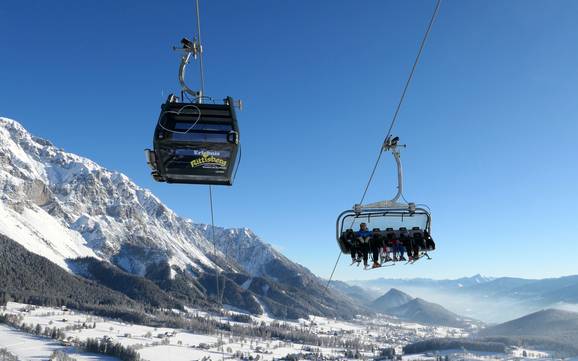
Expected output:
{"points": [[490, 119]]}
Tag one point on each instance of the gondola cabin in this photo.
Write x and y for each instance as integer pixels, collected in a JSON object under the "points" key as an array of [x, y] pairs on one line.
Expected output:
{"points": [[195, 143]]}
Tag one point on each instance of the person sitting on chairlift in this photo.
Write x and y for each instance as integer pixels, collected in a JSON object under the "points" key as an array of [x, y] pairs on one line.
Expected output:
{"points": [[385, 249], [390, 248], [407, 244], [376, 244], [350, 240], [418, 244], [430, 245], [398, 248], [363, 235]]}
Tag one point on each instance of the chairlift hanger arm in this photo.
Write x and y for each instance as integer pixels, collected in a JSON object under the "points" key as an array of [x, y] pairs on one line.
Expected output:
{"points": [[390, 144]]}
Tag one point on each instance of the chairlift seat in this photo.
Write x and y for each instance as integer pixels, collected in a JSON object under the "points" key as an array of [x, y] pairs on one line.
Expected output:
{"points": [[388, 220]]}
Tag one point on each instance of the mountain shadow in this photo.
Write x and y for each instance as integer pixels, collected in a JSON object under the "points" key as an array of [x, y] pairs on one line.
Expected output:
{"points": [[28, 278]]}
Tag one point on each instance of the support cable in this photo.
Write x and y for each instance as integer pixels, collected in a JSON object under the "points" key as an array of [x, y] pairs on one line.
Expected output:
{"points": [[201, 63], [416, 61], [217, 269], [219, 294], [392, 124], [403, 93]]}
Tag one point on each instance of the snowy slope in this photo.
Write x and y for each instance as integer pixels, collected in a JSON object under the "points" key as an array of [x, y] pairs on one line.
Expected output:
{"points": [[256, 256], [40, 233], [61, 205]]}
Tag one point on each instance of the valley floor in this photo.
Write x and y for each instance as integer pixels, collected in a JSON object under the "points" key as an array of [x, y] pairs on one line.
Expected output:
{"points": [[163, 343], [30, 347]]}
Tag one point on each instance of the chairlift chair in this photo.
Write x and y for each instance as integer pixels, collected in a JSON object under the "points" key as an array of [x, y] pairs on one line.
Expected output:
{"points": [[391, 216]]}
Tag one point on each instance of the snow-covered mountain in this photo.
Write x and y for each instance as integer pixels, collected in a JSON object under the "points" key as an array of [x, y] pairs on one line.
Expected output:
{"points": [[254, 255], [61, 206]]}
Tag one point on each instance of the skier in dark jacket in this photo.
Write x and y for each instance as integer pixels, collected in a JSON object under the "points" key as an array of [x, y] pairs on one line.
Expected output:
{"points": [[376, 244], [429, 242], [417, 244], [349, 239], [407, 243]]}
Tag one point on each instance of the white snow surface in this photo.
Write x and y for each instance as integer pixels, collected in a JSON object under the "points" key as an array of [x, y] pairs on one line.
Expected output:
{"points": [[61, 205], [42, 234], [30, 347], [162, 343]]}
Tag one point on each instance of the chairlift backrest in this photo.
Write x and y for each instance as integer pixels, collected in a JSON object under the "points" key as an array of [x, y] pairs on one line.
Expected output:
{"points": [[416, 232]]}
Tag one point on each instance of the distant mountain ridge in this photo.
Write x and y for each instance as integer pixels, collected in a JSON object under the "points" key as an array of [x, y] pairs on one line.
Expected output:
{"points": [[550, 329], [421, 311], [62, 206], [554, 323], [386, 283], [489, 299], [560, 289], [357, 295], [403, 306], [391, 299]]}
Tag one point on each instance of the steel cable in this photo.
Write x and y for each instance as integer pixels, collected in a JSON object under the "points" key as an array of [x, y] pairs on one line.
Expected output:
{"points": [[392, 124]]}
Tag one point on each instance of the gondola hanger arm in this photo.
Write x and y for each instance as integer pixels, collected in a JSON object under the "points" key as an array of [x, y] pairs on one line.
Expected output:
{"points": [[189, 48]]}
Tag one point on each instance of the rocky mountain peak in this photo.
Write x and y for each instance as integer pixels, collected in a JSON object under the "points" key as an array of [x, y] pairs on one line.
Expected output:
{"points": [[62, 206], [104, 209]]}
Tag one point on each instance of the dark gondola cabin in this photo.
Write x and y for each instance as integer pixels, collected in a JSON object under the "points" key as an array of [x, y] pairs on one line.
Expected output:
{"points": [[195, 143]]}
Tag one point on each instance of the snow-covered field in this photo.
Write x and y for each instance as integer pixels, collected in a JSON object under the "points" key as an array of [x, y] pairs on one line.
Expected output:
{"points": [[30, 347], [174, 344], [517, 354], [162, 343]]}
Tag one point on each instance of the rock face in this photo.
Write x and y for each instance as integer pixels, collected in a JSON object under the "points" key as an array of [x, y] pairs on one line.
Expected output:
{"points": [[63, 206]]}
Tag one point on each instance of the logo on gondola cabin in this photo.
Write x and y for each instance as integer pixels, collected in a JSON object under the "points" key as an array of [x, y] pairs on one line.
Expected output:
{"points": [[208, 159]]}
